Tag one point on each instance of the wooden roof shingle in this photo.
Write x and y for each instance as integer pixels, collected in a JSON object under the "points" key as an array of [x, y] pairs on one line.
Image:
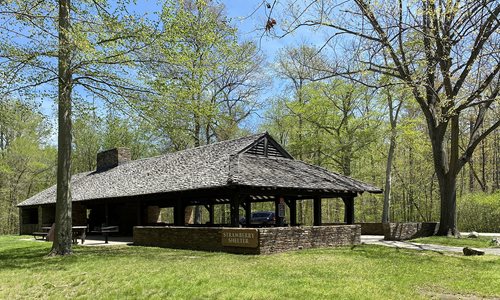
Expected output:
{"points": [[215, 165]]}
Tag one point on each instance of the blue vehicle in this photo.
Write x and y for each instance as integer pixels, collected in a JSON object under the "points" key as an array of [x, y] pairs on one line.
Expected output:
{"points": [[261, 218]]}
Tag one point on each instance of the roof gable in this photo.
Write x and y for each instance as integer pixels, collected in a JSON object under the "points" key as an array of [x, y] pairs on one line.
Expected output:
{"points": [[266, 146]]}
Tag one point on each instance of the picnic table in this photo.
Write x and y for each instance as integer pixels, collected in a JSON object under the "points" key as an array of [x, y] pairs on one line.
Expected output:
{"points": [[42, 235], [78, 232]]}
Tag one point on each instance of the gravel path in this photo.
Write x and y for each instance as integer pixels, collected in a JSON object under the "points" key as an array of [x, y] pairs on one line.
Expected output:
{"points": [[379, 240]]}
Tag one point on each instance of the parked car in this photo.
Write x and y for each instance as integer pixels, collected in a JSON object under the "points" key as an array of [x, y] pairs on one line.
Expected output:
{"points": [[261, 218]]}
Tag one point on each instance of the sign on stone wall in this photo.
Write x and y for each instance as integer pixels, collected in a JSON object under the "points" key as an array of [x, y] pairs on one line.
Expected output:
{"points": [[248, 238]]}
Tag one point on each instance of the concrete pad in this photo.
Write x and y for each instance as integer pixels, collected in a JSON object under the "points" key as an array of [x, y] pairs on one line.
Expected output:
{"points": [[98, 240]]}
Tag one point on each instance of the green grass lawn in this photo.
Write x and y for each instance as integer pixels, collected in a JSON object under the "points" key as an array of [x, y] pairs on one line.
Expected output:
{"points": [[480, 242], [361, 272]]}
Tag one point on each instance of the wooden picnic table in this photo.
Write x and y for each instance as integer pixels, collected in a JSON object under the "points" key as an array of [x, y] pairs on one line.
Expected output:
{"points": [[78, 232], [42, 234]]}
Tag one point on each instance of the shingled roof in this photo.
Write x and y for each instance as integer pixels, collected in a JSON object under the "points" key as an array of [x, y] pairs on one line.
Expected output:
{"points": [[256, 160]]}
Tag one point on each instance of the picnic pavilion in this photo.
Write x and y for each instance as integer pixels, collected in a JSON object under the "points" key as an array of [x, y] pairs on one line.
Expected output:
{"points": [[130, 193]]}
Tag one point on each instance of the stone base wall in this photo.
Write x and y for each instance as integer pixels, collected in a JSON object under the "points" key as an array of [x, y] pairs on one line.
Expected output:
{"points": [[408, 231], [194, 238], [281, 239], [270, 240]]}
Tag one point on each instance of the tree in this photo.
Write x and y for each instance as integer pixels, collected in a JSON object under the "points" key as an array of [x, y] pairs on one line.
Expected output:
{"points": [[88, 47], [63, 231], [301, 65], [445, 52], [394, 106], [206, 81]]}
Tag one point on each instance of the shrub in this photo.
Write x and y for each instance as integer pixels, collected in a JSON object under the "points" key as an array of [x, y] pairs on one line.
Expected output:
{"points": [[479, 212]]}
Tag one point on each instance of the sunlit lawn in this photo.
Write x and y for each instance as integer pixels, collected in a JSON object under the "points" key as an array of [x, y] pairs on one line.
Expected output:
{"points": [[363, 272], [480, 242]]}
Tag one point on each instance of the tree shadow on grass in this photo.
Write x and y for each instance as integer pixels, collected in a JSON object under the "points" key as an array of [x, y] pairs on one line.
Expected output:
{"points": [[145, 254], [23, 257], [20, 254]]}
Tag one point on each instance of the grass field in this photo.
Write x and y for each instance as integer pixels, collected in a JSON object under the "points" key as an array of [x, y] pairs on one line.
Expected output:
{"points": [[480, 242], [128, 272]]}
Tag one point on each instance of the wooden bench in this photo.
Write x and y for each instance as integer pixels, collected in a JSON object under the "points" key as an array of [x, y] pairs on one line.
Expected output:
{"points": [[40, 235]]}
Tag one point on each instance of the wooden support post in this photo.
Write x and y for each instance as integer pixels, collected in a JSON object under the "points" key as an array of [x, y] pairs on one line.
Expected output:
{"points": [[40, 218], [280, 218], [106, 213], [179, 209], [211, 214], [235, 210], [292, 204], [349, 209], [20, 220], [317, 211], [139, 213], [276, 211], [248, 212]]}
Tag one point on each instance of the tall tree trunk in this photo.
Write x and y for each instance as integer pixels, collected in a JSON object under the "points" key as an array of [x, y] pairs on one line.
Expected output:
{"points": [[447, 170], [63, 232], [471, 170], [388, 177], [447, 191], [496, 165], [484, 162], [393, 118], [193, 213]]}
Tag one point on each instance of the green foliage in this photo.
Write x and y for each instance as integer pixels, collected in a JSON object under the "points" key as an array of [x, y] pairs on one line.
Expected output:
{"points": [[27, 164], [330, 125], [93, 133], [479, 212], [334, 124], [361, 272], [206, 81]]}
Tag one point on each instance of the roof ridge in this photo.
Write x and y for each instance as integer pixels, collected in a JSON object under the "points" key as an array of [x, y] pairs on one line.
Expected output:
{"points": [[195, 148]]}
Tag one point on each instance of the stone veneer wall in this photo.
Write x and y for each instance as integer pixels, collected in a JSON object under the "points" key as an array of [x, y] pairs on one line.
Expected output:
{"points": [[271, 240], [408, 231], [280, 239]]}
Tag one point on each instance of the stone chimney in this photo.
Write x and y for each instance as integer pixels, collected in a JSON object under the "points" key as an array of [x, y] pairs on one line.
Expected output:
{"points": [[111, 158]]}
